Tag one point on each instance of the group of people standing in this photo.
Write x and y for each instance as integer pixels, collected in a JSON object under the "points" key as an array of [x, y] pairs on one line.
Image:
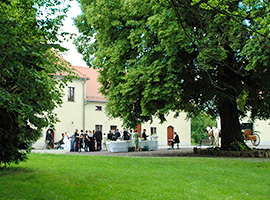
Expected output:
{"points": [[88, 140], [94, 140], [128, 136], [115, 135]]}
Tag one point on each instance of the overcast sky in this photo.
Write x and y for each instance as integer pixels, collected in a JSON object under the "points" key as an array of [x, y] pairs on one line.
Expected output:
{"points": [[72, 55]]}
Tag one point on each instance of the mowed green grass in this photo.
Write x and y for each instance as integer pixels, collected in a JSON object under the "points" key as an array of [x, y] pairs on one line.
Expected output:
{"points": [[46, 176]]}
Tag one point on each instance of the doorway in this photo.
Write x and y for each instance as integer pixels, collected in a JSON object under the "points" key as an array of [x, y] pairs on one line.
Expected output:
{"points": [[170, 131], [139, 130]]}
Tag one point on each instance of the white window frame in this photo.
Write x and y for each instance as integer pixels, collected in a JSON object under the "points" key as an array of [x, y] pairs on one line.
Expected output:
{"points": [[154, 128], [69, 94]]}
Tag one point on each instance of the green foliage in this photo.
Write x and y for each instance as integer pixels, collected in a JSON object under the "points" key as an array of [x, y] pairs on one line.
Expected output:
{"points": [[198, 126], [28, 87], [158, 56]]}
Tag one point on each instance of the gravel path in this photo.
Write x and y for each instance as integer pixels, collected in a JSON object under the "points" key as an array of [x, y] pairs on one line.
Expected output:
{"points": [[162, 152]]}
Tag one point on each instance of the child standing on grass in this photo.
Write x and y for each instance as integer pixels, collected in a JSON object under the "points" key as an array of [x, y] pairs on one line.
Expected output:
{"points": [[136, 140]]}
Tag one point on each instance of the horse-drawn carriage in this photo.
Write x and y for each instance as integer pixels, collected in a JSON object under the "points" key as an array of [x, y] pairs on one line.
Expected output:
{"points": [[214, 134], [248, 134]]}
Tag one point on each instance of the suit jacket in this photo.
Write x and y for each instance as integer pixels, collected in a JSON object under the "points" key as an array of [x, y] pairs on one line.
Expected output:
{"points": [[98, 135], [126, 137], [110, 136], [144, 136], [176, 139], [48, 136], [117, 135]]}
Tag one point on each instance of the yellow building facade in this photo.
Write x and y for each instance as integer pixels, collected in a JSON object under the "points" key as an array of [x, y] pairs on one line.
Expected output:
{"points": [[84, 107]]}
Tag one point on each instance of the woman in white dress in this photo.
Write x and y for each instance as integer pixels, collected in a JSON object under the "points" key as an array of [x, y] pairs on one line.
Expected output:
{"points": [[104, 141], [66, 141]]}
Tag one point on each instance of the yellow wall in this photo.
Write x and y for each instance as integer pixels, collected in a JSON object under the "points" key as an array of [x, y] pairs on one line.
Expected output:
{"points": [[71, 113], [94, 117], [180, 124]]}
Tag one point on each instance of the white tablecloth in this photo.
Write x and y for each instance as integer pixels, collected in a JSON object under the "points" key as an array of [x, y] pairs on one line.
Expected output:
{"points": [[117, 146], [122, 146]]}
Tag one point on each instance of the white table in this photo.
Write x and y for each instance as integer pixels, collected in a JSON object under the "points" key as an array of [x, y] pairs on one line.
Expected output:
{"points": [[153, 145], [117, 146], [122, 146]]}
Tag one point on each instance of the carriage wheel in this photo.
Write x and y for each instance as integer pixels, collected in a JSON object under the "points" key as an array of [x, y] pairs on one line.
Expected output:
{"points": [[257, 141]]}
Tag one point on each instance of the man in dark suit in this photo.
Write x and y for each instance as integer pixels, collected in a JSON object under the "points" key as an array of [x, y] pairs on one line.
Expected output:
{"points": [[98, 138], [175, 140], [126, 134], [144, 136], [49, 139], [77, 138], [117, 134], [110, 135]]}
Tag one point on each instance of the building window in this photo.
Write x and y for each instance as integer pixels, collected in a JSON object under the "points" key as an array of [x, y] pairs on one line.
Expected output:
{"points": [[153, 130], [113, 128], [71, 93], [98, 108], [99, 128]]}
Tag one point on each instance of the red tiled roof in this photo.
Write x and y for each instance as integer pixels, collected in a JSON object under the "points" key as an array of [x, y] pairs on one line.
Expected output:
{"points": [[73, 69], [68, 65], [92, 85]]}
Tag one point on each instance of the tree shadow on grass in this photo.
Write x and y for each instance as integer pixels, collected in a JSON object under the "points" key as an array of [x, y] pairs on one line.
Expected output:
{"points": [[13, 170]]}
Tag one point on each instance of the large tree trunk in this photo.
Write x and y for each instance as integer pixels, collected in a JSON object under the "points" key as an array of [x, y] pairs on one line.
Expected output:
{"points": [[231, 135]]}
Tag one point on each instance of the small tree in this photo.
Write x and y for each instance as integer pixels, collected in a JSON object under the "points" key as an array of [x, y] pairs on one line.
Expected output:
{"points": [[198, 126], [29, 90]]}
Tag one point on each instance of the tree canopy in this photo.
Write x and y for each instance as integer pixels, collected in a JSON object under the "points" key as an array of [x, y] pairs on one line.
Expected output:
{"points": [[157, 56], [29, 90]]}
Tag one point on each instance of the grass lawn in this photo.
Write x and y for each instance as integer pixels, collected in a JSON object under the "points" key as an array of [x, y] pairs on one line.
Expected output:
{"points": [[46, 176]]}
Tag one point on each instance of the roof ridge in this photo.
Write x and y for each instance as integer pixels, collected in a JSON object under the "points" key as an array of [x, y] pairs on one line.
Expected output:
{"points": [[92, 85]]}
